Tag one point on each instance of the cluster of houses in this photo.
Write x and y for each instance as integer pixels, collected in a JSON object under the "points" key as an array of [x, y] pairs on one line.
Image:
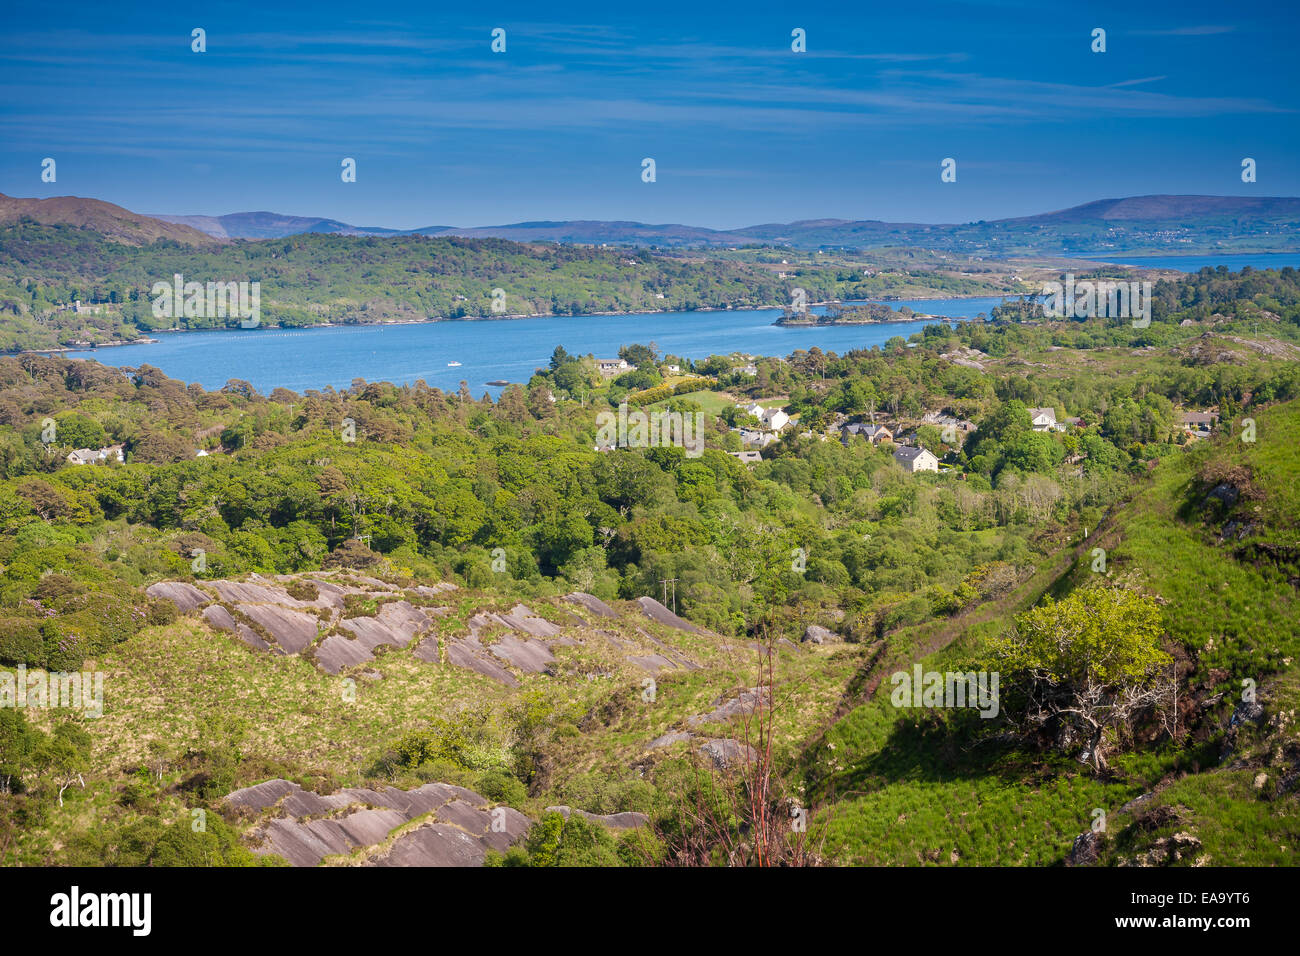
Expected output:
{"points": [[102, 456], [613, 368], [96, 456], [912, 458], [82, 309], [771, 421]]}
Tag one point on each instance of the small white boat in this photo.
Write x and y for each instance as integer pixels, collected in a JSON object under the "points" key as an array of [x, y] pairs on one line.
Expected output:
{"points": [[453, 365]]}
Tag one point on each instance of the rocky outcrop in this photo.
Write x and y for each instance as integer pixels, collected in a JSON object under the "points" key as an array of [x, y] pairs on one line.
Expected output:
{"points": [[186, 597], [660, 614], [627, 820], [592, 603], [728, 754], [816, 634], [308, 827], [746, 703], [343, 620], [456, 826]]}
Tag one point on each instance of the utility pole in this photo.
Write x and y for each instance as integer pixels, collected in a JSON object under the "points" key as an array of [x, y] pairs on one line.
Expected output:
{"points": [[664, 582]]}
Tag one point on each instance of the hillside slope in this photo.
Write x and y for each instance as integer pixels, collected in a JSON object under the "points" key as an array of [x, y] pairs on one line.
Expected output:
{"points": [[113, 222], [1215, 537]]}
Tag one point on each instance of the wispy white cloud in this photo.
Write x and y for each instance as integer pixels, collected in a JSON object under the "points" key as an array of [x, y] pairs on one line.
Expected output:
{"points": [[1145, 79]]}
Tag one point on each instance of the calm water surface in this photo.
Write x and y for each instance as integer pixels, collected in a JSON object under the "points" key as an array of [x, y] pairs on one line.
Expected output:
{"points": [[510, 350]]}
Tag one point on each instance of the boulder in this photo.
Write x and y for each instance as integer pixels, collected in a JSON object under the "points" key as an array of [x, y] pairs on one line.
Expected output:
{"points": [[726, 753], [1083, 852], [816, 634]]}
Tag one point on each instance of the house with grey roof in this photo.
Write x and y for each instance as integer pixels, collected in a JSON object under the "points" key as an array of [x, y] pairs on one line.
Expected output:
{"points": [[1198, 424], [872, 433], [1044, 420], [914, 459]]}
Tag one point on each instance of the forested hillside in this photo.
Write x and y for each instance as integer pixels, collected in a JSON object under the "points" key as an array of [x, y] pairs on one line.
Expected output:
{"points": [[314, 279], [837, 565]]}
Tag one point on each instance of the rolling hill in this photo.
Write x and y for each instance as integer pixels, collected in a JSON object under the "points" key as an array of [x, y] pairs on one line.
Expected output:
{"points": [[1181, 224], [113, 222]]}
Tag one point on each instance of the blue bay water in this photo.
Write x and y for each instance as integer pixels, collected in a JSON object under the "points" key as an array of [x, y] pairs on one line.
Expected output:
{"points": [[509, 349]]}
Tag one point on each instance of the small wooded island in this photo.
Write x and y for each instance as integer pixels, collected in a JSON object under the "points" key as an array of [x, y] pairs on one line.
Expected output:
{"points": [[868, 313]]}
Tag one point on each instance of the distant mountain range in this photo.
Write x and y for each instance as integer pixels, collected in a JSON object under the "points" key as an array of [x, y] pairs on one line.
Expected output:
{"points": [[1151, 224], [273, 225], [1146, 223]]}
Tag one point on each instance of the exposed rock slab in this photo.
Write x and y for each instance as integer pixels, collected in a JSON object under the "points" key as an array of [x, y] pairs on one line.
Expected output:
{"points": [[292, 630], [254, 592], [746, 703], [311, 826], [337, 653], [592, 603], [185, 596], [469, 655], [657, 612], [218, 617], [627, 820], [532, 657], [654, 663], [262, 795]]}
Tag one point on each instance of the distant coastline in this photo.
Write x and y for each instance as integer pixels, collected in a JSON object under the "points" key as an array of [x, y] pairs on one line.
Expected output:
{"points": [[146, 340]]}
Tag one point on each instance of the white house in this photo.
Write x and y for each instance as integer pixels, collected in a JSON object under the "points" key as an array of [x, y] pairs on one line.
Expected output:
{"points": [[915, 459], [612, 367], [1044, 420], [85, 456], [774, 419]]}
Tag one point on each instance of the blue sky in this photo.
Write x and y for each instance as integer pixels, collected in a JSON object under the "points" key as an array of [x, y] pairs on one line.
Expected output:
{"points": [[742, 129]]}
